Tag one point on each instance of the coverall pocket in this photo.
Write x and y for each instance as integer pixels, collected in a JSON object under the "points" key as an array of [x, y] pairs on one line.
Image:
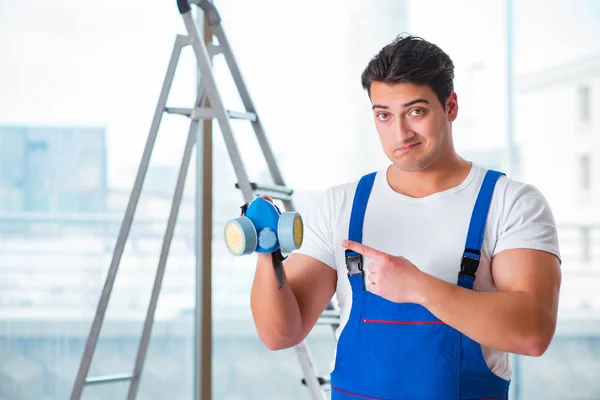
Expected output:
{"points": [[409, 353]]}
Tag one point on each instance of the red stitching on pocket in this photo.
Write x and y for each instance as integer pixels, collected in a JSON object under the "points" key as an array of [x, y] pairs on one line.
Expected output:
{"points": [[382, 321], [355, 395], [377, 398]]}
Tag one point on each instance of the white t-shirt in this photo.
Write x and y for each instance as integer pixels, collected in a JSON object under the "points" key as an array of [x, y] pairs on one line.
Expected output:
{"points": [[431, 232]]}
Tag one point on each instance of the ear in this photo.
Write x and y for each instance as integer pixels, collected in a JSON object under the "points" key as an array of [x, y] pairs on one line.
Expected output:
{"points": [[452, 106]]}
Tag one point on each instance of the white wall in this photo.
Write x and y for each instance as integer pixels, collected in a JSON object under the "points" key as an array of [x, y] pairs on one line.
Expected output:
{"points": [[552, 137]]}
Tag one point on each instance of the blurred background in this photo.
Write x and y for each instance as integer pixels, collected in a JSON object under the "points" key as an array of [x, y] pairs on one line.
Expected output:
{"points": [[79, 83]]}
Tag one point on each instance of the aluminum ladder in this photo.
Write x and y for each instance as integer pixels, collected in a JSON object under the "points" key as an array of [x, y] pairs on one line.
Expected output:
{"points": [[208, 93]]}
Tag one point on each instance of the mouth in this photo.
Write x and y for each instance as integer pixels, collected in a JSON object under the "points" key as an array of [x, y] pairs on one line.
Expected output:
{"points": [[405, 149]]}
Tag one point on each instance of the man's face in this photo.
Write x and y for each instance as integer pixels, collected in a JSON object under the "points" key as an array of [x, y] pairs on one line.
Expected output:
{"points": [[413, 127]]}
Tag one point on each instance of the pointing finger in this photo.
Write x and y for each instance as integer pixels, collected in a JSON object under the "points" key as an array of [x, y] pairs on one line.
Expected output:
{"points": [[364, 250]]}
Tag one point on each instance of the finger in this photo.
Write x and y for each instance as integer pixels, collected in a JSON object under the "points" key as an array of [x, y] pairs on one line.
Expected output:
{"points": [[264, 196], [373, 278], [373, 272], [374, 267], [364, 250]]}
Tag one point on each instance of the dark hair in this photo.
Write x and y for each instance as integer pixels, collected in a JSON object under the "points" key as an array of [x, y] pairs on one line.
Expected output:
{"points": [[411, 59]]}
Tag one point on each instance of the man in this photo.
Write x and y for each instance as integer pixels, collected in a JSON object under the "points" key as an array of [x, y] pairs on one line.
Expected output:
{"points": [[441, 268]]}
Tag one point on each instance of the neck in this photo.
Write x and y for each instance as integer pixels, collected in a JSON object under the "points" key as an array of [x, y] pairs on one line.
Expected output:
{"points": [[445, 174]]}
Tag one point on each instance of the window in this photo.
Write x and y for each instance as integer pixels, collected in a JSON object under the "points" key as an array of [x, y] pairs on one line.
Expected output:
{"points": [[67, 168], [585, 172], [584, 104]]}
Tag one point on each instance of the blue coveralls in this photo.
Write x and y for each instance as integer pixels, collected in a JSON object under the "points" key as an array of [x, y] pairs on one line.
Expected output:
{"points": [[402, 351]]}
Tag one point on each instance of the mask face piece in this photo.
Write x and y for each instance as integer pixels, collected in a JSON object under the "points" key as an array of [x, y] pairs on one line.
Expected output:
{"points": [[263, 229]]}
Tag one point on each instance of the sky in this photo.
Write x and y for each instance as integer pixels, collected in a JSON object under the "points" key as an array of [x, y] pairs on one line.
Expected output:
{"points": [[103, 63]]}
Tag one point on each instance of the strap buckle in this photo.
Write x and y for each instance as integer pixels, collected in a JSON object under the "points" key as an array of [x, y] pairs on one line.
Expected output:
{"points": [[469, 262], [354, 262]]}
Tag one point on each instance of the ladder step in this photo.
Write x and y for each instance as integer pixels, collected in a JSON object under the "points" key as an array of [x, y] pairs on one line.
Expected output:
{"points": [[273, 191], [214, 49], [329, 317], [328, 321], [179, 110], [208, 113], [330, 313], [242, 115], [323, 380], [97, 380]]}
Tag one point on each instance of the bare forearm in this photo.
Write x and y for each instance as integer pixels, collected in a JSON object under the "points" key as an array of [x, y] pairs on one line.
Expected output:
{"points": [[276, 312], [508, 321]]}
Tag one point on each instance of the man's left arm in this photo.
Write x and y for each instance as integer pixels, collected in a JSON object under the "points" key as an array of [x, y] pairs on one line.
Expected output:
{"points": [[520, 317]]}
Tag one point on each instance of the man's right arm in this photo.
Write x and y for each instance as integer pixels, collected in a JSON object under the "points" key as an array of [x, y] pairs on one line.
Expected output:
{"points": [[284, 317]]}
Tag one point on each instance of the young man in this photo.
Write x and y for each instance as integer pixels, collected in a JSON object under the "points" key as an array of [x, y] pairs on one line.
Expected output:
{"points": [[441, 267]]}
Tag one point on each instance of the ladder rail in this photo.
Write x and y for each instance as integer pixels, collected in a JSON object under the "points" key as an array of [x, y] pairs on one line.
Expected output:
{"points": [[164, 254], [200, 49], [98, 321], [257, 125], [214, 21], [207, 91], [216, 102]]}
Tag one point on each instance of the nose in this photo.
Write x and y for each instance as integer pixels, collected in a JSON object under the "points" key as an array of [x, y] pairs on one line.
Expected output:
{"points": [[402, 131]]}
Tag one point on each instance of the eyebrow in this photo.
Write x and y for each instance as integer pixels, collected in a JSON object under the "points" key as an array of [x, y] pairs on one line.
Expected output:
{"points": [[410, 103]]}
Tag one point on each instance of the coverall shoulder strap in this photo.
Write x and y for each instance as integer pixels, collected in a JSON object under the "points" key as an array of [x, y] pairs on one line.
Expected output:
{"points": [[359, 206]]}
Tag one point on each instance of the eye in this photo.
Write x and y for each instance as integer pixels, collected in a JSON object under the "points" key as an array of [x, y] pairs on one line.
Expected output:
{"points": [[382, 116], [417, 112]]}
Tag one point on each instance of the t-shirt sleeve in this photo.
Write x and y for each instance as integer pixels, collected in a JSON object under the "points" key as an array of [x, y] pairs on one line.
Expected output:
{"points": [[527, 222], [318, 230]]}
